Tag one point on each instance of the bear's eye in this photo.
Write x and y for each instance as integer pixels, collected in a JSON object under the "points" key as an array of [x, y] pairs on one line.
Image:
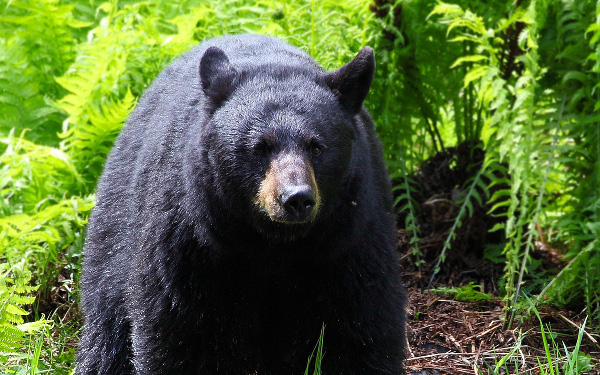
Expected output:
{"points": [[262, 149], [315, 149]]}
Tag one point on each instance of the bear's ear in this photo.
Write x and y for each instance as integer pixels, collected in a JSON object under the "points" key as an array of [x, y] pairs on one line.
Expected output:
{"points": [[351, 82], [218, 76]]}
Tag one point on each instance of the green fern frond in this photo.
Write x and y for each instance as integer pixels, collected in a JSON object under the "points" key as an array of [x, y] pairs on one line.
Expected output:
{"points": [[91, 140], [41, 236], [476, 191], [15, 292], [33, 176], [27, 76]]}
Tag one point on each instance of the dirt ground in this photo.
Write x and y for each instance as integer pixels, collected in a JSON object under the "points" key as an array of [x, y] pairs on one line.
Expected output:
{"points": [[446, 336]]}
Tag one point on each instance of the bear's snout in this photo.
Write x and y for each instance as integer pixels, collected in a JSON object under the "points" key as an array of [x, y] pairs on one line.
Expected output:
{"points": [[298, 201], [289, 193]]}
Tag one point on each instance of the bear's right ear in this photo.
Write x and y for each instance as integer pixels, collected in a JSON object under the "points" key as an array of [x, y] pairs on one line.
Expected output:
{"points": [[351, 82], [218, 77]]}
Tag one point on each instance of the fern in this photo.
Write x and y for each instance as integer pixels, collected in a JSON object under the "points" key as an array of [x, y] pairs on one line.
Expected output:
{"points": [[515, 112], [26, 75], [579, 226], [15, 292], [407, 204], [34, 176], [22, 103], [477, 192], [470, 292], [42, 237], [100, 85]]}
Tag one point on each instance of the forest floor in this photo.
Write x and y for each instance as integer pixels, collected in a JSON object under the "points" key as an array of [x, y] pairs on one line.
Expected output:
{"points": [[450, 336]]}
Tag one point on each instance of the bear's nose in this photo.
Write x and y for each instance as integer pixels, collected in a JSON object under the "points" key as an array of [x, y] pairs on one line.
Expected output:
{"points": [[298, 202]]}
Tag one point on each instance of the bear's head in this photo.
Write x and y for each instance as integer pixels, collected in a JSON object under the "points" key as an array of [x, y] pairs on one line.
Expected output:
{"points": [[280, 138]]}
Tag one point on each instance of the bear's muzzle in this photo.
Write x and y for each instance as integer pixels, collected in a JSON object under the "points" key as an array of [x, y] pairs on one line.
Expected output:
{"points": [[289, 193]]}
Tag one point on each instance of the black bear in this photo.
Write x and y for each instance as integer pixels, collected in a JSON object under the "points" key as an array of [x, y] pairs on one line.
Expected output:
{"points": [[244, 206]]}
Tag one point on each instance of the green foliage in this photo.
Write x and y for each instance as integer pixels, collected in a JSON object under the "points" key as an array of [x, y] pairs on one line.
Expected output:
{"points": [[15, 291], [557, 360], [43, 237], [318, 356], [532, 68], [476, 191], [470, 292], [34, 176], [27, 75], [41, 215], [405, 201], [579, 226], [576, 361]]}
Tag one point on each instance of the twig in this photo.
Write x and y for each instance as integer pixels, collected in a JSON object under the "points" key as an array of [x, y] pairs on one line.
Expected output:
{"points": [[592, 339], [484, 332], [453, 340], [539, 230], [433, 301], [454, 354], [410, 352], [433, 355]]}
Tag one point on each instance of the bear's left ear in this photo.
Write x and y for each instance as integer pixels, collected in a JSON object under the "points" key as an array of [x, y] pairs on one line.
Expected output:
{"points": [[351, 82], [218, 76]]}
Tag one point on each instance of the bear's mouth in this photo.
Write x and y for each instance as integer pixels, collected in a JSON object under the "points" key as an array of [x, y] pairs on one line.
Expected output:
{"points": [[281, 230]]}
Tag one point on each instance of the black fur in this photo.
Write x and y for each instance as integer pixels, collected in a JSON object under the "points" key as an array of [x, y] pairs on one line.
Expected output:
{"points": [[184, 273]]}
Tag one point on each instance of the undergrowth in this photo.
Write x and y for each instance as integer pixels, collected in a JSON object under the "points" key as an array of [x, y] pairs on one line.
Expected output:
{"points": [[468, 292], [556, 359]]}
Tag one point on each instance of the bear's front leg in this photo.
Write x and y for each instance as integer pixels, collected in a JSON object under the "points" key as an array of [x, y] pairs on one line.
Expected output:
{"points": [[189, 330], [365, 332], [164, 339]]}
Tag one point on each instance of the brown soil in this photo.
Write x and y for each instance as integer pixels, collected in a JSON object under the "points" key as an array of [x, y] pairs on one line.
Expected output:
{"points": [[446, 336]]}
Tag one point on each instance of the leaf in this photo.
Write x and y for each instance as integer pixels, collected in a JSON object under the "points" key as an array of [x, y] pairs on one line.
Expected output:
{"points": [[474, 74], [471, 58]]}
